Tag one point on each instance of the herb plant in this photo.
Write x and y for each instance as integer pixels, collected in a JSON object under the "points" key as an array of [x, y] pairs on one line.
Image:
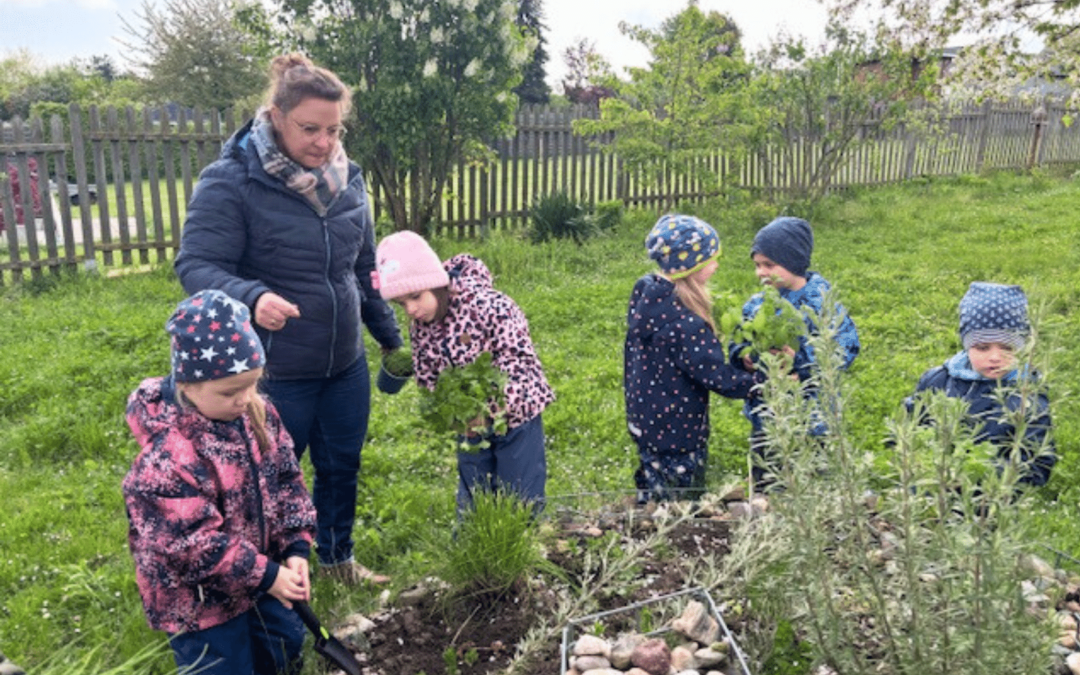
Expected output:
{"points": [[398, 363], [466, 400], [776, 325]]}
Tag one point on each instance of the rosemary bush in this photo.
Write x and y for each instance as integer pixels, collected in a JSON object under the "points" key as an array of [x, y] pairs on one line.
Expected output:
{"points": [[920, 579]]}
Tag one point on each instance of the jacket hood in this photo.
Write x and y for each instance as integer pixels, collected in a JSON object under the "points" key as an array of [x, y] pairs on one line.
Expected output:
{"points": [[657, 306], [153, 410], [468, 275]]}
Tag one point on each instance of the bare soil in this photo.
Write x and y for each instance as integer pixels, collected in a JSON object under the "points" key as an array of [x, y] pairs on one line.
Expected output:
{"points": [[484, 631]]}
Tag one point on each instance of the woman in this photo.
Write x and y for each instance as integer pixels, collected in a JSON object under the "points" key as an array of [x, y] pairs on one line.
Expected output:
{"points": [[281, 222]]}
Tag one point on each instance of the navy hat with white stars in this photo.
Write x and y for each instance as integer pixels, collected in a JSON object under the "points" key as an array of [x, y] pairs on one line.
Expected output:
{"points": [[993, 313], [212, 338]]}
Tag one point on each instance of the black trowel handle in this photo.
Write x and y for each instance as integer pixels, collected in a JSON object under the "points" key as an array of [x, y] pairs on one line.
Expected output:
{"points": [[310, 620]]}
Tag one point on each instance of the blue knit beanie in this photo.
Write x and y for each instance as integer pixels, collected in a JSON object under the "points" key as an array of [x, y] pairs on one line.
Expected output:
{"points": [[786, 241], [681, 245], [212, 338], [993, 313]]}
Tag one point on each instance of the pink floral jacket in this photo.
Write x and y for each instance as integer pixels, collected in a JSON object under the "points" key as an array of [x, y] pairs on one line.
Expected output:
{"points": [[211, 516]]}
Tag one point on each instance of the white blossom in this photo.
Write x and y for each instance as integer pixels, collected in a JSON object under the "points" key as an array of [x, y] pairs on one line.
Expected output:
{"points": [[472, 68], [437, 36], [396, 10], [431, 68], [469, 5]]}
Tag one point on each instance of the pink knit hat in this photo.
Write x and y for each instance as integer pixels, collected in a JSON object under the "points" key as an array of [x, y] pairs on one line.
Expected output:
{"points": [[407, 264]]}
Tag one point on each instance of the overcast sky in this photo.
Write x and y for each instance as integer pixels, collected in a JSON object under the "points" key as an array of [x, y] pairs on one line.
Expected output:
{"points": [[58, 30]]}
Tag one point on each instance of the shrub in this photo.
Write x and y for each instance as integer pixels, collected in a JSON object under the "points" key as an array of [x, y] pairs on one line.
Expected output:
{"points": [[558, 216], [609, 214]]}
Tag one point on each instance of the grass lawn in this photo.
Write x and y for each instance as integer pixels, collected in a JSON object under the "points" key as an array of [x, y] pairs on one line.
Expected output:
{"points": [[901, 256]]}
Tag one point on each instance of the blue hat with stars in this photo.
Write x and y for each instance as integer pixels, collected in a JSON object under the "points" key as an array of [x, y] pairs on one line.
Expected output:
{"points": [[212, 338], [681, 245], [993, 313]]}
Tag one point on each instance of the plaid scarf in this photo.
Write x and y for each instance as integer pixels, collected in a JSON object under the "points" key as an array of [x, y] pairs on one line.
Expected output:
{"points": [[320, 185]]}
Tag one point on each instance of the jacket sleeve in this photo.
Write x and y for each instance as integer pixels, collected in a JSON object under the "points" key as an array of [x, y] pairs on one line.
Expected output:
{"points": [[700, 355], [377, 315], [931, 379], [736, 350], [174, 518], [215, 237], [1039, 453], [512, 351]]}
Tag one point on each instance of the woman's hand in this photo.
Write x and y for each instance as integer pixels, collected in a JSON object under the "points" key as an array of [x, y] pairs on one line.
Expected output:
{"points": [[292, 582], [272, 311]]}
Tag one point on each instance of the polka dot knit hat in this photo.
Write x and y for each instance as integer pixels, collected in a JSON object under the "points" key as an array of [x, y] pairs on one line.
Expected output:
{"points": [[681, 244], [212, 338], [993, 313]]}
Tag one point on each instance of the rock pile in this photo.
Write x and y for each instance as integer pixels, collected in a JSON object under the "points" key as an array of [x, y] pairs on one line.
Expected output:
{"points": [[700, 649]]}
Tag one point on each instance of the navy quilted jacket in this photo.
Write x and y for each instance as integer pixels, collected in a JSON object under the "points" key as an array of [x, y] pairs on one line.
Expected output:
{"points": [[958, 380], [246, 233]]}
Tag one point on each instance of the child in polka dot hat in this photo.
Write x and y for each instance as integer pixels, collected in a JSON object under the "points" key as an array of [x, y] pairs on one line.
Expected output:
{"points": [[993, 326], [216, 489], [673, 359]]}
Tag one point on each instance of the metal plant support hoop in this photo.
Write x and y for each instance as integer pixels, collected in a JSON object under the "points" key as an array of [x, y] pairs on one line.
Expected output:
{"points": [[698, 593]]}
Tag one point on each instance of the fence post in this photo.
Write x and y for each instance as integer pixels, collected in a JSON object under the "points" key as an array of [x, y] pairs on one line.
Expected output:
{"points": [[1038, 121]]}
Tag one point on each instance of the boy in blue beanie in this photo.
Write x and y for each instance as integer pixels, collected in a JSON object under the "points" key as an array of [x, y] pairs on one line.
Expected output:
{"points": [[993, 326], [781, 253]]}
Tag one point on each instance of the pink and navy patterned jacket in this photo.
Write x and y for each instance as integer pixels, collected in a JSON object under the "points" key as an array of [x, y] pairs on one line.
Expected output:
{"points": [[210, 515], [480, 319]]}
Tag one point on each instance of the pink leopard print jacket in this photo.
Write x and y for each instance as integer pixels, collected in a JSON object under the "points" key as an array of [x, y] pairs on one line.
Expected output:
{"points": [[210, 516], [481, 319]]}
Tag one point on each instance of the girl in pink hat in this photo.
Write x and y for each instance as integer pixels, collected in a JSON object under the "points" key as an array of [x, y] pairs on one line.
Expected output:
{"points": [[455, 315]]}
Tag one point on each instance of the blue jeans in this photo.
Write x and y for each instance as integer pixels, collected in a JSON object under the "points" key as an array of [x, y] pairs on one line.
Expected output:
{"points": [[515, 463], [330, 416], [266, 640]]}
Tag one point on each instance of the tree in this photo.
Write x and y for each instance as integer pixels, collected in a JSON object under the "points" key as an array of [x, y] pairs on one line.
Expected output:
{"points": [[818, 106], [533, 87], [193, 52], [694, 95], [434, 81], [1007, 34], [586, 69]]}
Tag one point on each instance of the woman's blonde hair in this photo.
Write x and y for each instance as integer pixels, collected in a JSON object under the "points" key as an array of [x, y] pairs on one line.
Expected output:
{"points": [[294, 78], [256, 412], [694, 295]]}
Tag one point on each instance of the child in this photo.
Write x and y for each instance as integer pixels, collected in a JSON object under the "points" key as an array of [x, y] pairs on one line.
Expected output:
{"points": [[993, 325], [221, 523], [781, 253], [455, 316], [673, 359]]}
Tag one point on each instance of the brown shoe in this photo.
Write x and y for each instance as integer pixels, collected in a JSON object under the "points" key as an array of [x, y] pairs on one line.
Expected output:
{"points": [[352, 573]]}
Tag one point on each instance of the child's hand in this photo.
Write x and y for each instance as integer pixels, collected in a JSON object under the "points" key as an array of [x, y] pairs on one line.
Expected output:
{"points": [[292, 582], [748, 364]]}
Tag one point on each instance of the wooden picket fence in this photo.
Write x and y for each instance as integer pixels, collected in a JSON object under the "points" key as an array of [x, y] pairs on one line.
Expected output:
{"points": [[120, 179]]}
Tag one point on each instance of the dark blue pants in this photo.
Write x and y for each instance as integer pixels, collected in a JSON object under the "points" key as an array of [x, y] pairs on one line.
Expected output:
{"points": [[515, 463], [264, 641], [330, 416]]}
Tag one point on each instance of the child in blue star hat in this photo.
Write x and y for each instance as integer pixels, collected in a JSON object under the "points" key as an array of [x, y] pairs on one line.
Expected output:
{"points": [[673, 359]]}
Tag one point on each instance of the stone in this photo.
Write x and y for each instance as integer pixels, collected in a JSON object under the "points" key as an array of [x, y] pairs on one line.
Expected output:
{"points": [[1036, 565], [707, 657], [736, 494], [696, 624], [599, 671], [584, 664], [9, 668], [760, 505], [1068, 640], [1072, 661], [741, 510], [636, 671], [1066, 621], [623, 648], [653, 656], [682, 659], [591, 645]]}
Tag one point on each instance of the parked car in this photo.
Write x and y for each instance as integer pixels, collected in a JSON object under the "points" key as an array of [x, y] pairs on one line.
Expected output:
{"points": [[73, 192]]}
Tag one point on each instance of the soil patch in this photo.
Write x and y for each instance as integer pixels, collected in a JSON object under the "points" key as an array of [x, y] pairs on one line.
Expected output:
{"points": [[481, 634]]}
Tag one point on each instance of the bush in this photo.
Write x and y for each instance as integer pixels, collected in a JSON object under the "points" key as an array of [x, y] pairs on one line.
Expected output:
{"points": [[558, 216]]}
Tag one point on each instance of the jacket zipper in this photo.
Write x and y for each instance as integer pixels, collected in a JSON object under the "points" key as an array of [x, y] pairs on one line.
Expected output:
{"points": [[333, 297], [263, 548]]}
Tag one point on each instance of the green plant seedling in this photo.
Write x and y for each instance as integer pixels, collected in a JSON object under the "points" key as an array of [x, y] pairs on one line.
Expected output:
{"points": [[398, 363], [776, 325], [472, 657], [466, 400], [449, 656]]}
